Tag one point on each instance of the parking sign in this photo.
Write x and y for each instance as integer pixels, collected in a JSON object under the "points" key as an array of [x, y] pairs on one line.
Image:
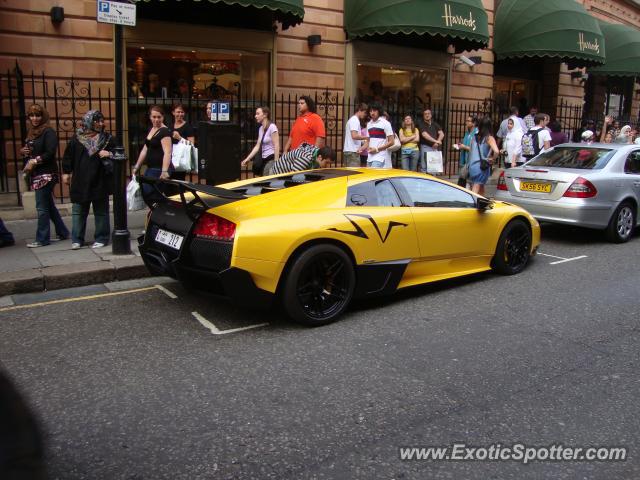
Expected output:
{"points": [[214, 112], [117, 13], [224, 112]]}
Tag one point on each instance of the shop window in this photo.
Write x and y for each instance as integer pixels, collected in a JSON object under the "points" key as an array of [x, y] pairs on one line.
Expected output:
{"points": [[419, 88], [196, 74]]}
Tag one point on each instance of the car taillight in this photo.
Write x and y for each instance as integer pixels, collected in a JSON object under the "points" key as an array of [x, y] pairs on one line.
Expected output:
{"points": [[581, 188], [502, 183], [214, 227]]}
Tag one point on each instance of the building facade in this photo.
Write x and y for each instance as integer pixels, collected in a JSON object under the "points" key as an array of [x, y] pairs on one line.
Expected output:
{"points": [[193, 51]]}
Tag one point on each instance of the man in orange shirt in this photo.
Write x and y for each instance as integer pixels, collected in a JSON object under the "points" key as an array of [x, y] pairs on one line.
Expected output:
{"points": [[308, 127]]}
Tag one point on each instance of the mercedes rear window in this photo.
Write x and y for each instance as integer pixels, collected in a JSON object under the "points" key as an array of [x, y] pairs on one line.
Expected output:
{"points": [[581, 158]]}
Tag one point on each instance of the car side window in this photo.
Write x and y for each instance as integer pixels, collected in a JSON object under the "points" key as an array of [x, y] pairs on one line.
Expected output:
{"points": [[362, 195], [428, 193], [387, 195], [632, 165], [379, 193]]}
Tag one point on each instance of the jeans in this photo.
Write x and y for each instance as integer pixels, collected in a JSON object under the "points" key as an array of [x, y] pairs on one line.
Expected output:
{"points": [[149, 191], [375, 164], [47, 212], [410, 160], [351, 159], [79, 214], [5, 235]]}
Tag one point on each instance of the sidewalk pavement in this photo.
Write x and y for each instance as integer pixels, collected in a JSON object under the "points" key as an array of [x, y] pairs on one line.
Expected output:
{"points": [[56, 266]]}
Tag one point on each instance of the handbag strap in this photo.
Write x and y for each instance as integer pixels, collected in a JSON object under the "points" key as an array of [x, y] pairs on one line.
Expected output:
{"points": [[264, 132]]}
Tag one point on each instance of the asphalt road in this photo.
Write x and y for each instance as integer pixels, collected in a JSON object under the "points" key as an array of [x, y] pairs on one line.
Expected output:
{"points": [[133, 385]]}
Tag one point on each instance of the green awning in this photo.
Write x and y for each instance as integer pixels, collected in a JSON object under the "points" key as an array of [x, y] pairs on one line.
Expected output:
{"points": [[623, 51], [462, 23], [287, 12], [559, 29]]}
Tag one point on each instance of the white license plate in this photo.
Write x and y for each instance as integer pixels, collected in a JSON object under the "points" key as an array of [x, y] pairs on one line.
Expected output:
{"points": [[172, 240]]}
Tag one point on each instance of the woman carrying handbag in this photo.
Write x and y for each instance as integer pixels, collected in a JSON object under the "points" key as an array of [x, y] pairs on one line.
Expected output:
{"points": [[483, 150], [268, 144]]}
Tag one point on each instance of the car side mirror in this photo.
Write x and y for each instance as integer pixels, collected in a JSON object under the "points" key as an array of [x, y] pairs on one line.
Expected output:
{"points": [[483, 203]]}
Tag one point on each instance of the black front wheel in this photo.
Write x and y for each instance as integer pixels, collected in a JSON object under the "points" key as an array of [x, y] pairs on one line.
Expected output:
{"points": [[514, 247], [319, 285]]}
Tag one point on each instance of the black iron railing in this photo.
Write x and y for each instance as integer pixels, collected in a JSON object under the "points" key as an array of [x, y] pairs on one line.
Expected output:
{"points": [[67, 100]]}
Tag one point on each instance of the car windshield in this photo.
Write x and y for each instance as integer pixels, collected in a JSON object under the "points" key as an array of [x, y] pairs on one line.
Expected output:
{"points": [[582, 158]]}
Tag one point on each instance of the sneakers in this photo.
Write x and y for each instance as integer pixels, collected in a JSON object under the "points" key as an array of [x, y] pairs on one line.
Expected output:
{"points": [[97, 245], [76, 246], [36, 244]]}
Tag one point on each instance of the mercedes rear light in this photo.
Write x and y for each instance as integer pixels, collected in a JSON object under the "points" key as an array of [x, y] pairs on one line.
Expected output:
{"points": [[214, 227], [581, 188], [502, 183]]}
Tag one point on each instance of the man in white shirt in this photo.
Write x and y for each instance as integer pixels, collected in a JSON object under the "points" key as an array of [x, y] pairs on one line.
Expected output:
{"points": [[352, 137], [539, 133], [380, 138]]}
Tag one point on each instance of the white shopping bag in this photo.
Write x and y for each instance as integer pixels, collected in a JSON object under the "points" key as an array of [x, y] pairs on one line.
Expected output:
{"points": [[181, 156], [194, 159], [134, 196], [434, 162]]}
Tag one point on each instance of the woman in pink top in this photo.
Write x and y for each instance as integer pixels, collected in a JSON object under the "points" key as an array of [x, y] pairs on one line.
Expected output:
{"points": [[268, 144]]}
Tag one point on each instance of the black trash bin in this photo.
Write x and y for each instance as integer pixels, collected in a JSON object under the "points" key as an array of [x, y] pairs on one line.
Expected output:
{"points": [[219, 152]]}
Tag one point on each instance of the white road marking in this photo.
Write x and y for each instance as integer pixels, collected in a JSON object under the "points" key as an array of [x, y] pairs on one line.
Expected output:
{"points": [[552, 256], [169, 293], [216, 331], [568, 260]]}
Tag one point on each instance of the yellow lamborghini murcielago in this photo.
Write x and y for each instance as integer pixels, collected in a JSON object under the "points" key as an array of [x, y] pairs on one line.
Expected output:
{"points": [[314, 240]]}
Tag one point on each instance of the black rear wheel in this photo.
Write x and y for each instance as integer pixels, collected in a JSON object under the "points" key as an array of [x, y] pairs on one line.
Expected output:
{"points": [[514, 247], [319, 285]]}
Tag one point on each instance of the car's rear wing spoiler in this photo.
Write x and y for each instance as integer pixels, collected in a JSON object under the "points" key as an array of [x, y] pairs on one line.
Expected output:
{"points": [[163, 190]]}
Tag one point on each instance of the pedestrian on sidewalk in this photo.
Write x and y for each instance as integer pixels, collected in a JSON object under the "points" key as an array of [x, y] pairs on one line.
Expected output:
{"points": [[40, 155], [483, 151], [513, 145], [6, 237], [181, 130], [305, 157], [308, 127], [431, 137], [465, 148], [156, 151], [268, 144], [353, 138], [88, 168], [409, 138], [380, 138]]}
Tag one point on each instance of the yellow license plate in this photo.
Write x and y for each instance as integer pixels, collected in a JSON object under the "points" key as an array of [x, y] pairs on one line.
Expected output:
{"points": [[535, 187]]}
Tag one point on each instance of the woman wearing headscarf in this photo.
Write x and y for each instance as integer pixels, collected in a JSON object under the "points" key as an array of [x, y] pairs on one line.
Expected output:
{"points": [[40, 164], [624, 136], [513, 144], [88, 167]]}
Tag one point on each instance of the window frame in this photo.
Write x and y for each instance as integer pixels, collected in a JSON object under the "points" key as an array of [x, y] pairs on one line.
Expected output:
{"points": [[406, 197], [627, 161]]}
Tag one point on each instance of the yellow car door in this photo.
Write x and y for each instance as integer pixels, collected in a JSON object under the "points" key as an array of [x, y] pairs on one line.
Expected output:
{"points": [[453, 234], [383, 226]]}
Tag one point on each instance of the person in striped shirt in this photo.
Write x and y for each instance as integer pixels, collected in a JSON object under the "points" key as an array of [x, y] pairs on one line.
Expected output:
{"points": [[305, 157], [380, 138]]}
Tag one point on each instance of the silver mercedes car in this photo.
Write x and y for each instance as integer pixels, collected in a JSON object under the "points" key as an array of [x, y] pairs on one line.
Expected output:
{"points": [[589, 185]]}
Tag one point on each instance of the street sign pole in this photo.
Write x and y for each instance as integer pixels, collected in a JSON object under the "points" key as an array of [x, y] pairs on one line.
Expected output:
{"points": [[120, 244]]}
